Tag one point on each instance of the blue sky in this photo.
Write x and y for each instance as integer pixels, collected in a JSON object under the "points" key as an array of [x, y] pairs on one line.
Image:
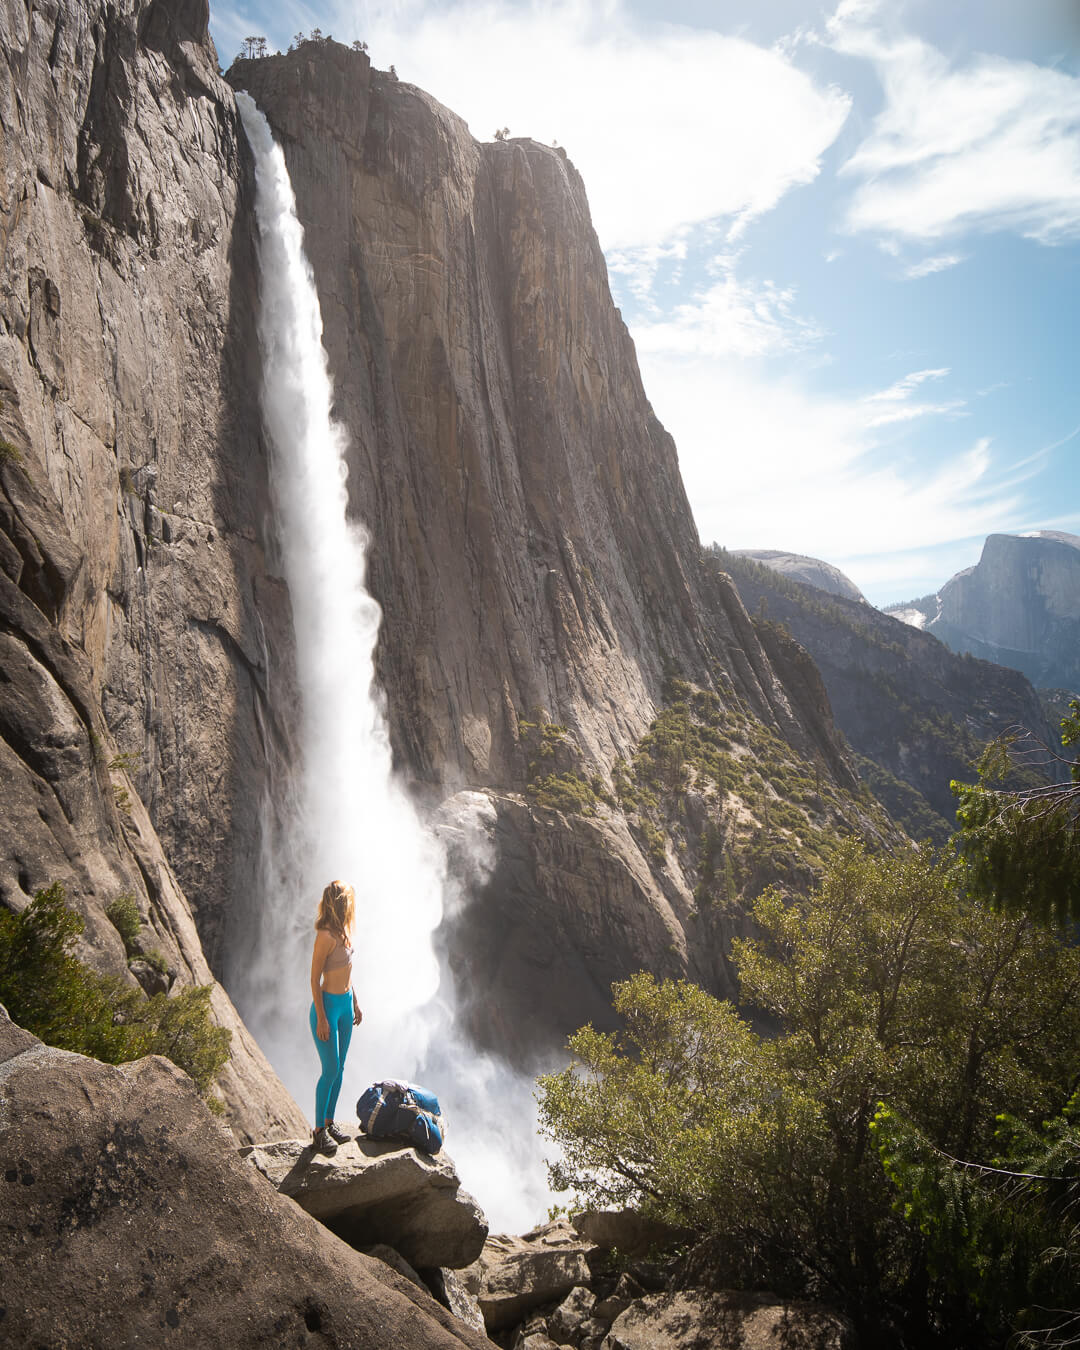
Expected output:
{"points": [[846, 239]]}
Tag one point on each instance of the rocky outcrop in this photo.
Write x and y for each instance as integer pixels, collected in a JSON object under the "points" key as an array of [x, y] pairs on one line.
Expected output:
{"points": [[128, 1219], [811, 571], [1018, 606], [696, 1320], [514, 1275], [626, 1230], [380, 1191], [71, 814], [552, 1287]]}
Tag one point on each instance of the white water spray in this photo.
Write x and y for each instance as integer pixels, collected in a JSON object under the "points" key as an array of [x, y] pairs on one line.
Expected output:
{"points": [[348, 816]]}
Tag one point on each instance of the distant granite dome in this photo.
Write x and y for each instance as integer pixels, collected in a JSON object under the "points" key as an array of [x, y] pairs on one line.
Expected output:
{"points": [[1018, 606], [811, 571]]}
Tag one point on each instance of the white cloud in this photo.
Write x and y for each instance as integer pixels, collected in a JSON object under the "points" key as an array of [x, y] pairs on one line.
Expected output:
{"points": [[639, 266], [668, 125], [940, 262], [894, 404], [770, 464], [993, 144], [730, 318]]}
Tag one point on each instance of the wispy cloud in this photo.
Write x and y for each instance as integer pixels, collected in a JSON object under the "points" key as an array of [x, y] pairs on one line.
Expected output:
{"points": [[730, 318], [669, 126], [940, 262], [991, 144], [895, 404], [771, 463], [637, 267]]}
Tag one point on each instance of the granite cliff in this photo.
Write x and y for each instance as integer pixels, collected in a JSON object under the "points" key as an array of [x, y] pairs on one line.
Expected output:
{"points": [[1019, 606], [135, 591], [812, 571]]}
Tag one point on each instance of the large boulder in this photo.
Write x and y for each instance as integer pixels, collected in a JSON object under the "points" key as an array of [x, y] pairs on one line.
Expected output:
{"points": [[697, 1320], [127, 1219], [625, 1229], [516, 1274], [376, 1190]]}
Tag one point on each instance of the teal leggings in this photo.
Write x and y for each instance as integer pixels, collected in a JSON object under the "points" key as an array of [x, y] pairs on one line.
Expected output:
{"points": [[339, 1013]]}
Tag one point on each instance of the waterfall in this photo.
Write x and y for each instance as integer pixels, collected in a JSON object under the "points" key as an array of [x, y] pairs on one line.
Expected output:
{"points": [[349, 816], [346, 815]]}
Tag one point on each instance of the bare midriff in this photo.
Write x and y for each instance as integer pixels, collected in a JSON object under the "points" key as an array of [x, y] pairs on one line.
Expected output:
{"points": [[338, 980]]}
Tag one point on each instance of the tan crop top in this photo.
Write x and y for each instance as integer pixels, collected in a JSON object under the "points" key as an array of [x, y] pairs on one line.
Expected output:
{"points": [[340, 955]]}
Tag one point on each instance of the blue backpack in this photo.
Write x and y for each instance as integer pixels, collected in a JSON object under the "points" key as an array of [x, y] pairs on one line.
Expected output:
{"points": [[396, 1110]]}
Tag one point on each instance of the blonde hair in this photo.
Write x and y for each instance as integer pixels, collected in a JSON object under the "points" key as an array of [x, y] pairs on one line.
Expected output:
{"points": [[337, 909]]}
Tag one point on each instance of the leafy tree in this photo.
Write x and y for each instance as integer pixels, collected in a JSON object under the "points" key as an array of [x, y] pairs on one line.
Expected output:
{"points": [[1021, 846], [886, 984], [51, 993], [254, 49]]}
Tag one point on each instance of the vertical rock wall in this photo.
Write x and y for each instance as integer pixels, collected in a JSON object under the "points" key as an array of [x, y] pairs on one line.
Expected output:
{"points": [[136, 594]]}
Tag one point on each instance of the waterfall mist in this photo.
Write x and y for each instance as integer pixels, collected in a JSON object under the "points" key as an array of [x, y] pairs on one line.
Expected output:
{"points": [[342, 813]]}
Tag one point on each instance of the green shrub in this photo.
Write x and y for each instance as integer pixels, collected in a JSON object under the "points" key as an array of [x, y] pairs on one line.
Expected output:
{"points": [[65, 1003], [9, 454], [567, 792], [123, 914]]}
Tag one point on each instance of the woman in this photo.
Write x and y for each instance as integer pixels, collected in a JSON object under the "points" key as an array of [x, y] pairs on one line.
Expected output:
{"points": [[334, 1009]]}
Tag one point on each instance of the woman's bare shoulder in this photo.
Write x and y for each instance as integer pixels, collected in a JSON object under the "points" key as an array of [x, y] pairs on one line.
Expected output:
{"points": [[324, 939]]}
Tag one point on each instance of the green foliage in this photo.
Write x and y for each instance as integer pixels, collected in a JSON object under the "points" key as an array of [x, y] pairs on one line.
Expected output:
{"points": [[887, 984], [664, 1114], [793, 818], [1021, 846], [123, 914], [183, 1032], [567, 792], [58, 998], [1004, 1237], [552, 781], [9, 454]]}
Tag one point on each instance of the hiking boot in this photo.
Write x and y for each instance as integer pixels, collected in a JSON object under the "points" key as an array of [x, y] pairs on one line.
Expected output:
{"points": [[334, 1130], [322, 1143]]}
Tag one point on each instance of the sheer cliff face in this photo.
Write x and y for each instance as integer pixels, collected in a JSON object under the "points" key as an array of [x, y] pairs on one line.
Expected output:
{"points": [[130, 567], [1019, 606], [126, 300]]}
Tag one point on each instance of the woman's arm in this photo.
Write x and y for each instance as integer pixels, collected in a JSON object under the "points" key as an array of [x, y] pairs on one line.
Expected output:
{"points": [[324, 945], [357, 1015]]}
